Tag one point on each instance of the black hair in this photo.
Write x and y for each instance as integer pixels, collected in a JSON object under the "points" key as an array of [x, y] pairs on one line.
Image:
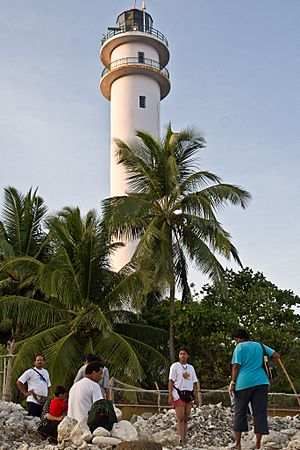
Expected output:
{"points": [[59, 390], [184, 349], [93, 366], [90, 357], [36, 356], [240, 333]]}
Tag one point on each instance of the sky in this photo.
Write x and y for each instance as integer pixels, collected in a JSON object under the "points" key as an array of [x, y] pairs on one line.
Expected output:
{"points": [[235, 75]]}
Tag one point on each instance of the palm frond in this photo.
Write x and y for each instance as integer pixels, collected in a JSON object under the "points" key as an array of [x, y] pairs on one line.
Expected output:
{"points": [[123, 361], [30, 311]]}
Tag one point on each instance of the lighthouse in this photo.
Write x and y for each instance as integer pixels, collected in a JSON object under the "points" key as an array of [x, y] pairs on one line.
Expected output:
{"points": [[135, 80]]}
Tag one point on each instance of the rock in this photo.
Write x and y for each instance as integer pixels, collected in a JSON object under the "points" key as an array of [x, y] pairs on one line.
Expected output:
{"points": [[65, 427], [275, 437], [124, 431], [147, 415], [134, 418], [290, 431], [80, 433], [139, 445], [105, 440], [100, 431], [166, 437], [118, 413], [294, 444], [209, 428]]}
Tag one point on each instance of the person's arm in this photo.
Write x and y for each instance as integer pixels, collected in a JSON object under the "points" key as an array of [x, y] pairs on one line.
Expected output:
{"points": [[275, 356], [104, 382], [50, 417], [80, 374], [23, 390], [235, 371], [170, 396], [108, 394], [196, 393]]}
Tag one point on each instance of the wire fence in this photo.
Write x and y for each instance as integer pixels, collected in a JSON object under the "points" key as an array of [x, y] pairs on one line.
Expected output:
{"points": [[125, 395], [157, 399]]}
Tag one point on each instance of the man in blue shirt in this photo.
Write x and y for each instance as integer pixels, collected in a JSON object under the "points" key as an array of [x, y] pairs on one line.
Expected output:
{"points": [[249, 384]]}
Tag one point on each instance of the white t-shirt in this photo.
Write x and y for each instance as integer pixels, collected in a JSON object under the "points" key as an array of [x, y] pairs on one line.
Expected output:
{"points": [[35, 382], [184, 377], [81, 397]]}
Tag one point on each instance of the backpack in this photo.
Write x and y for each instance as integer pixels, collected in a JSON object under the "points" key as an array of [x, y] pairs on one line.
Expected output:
{"points": [[268, 365], [102, 414]]}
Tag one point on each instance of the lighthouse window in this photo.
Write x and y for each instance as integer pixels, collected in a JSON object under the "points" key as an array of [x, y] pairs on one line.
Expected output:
{"points": [[142, 101], [141, 57]]}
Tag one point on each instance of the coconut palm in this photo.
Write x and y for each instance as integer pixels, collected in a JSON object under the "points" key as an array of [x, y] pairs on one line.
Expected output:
{"points": [[172, 212], [21, 230], [21, 234], [81, 308]]}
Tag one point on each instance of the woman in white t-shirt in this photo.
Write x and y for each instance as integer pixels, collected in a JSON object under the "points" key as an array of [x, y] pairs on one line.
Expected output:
{"points": [[182, 377]]}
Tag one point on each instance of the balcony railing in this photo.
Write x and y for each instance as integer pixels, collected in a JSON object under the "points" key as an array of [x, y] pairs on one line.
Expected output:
{"points": [[138, 28], [136, 62]]}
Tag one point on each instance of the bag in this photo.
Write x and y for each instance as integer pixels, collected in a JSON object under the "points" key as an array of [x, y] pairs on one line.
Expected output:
{"points": [[268, 365], [185, 396], [40, 398], [102, 414]]}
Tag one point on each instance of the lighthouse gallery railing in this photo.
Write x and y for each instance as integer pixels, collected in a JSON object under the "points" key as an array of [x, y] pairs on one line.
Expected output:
{"points": [[148, 63], [138, 28]]}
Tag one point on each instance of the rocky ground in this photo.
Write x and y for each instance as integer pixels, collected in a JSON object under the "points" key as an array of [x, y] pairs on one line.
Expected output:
{"points": [[210, 427]]}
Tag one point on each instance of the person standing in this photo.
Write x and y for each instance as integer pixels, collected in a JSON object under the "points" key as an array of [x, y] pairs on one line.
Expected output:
{"points": [[182, 377], [85, 392], [38, 383], [249, 383], [104, 382]]}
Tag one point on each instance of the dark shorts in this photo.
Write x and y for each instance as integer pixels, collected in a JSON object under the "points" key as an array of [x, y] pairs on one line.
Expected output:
{"points": [[34, 409], [258, 397]]}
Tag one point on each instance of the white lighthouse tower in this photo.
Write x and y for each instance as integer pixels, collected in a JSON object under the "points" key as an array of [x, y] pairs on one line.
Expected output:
{"points": [[135, 80]]}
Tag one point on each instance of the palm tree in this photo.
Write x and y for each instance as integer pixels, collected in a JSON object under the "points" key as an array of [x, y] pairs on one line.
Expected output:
{"points": [[172, 212], [21, 231], [81, 308], [21, 234]]}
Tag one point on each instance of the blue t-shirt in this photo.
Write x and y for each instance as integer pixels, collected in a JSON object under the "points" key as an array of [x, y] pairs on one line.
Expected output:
{"points": [[249, 355]]}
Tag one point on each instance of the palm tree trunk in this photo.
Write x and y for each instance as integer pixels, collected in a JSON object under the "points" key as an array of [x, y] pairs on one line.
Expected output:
{"points": [[171, 329], [8, 376]]}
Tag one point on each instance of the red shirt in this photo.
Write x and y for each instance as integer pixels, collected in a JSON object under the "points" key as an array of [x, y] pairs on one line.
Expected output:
{"points": [[58, 407]]}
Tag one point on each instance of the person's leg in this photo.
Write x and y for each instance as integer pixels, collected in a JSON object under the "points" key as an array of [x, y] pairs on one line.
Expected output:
{"points": [[259, 403], [187, 412], [180, 421], [258, 437], [238, 437], [34, 409], [49, 430], [241, 400]]}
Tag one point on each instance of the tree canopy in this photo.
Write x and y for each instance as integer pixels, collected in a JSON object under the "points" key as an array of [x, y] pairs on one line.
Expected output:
{"points": [[171, 209]]}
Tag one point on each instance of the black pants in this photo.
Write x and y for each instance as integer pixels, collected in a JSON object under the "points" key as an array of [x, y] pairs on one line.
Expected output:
{"points": [[49, 430], [258, 396], [34, 409]]}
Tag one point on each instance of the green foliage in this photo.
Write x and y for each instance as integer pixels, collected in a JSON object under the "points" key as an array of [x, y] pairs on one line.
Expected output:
{"points": [[73, 304], [171, 211], [253, 303]]}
